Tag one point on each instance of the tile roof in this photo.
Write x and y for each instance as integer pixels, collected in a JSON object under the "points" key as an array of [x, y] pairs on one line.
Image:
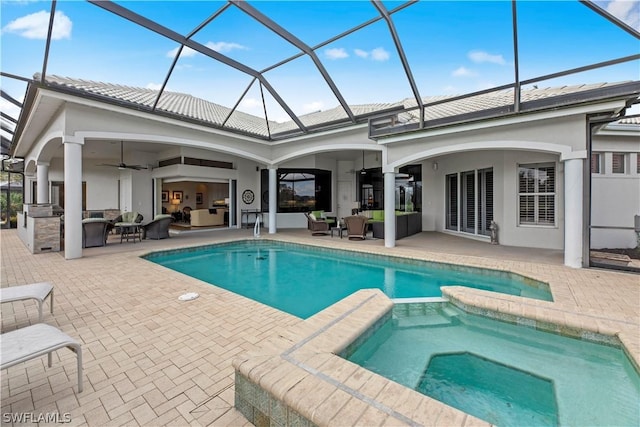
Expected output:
{"points": [[198, 109], [629, 121]]}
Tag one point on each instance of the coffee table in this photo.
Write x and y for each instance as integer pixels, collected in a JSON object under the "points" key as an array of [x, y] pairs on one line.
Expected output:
{"points": [[129, 231], [338, 230]]}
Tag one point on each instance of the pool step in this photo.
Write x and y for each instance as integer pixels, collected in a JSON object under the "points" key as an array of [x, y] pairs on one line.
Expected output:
{"points": [[424, 314], [422, 321]]}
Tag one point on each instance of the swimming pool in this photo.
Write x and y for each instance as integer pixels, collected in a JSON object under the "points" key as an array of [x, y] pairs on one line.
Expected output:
{"points": [[303, 280], [506, 374]]}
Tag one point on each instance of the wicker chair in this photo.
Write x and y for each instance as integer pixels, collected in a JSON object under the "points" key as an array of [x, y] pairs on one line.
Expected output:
{"points": [[94, 232], [158, 228], [356, 227], [317, 227]]}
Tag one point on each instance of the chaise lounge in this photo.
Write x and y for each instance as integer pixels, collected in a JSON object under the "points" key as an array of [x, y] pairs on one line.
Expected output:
{"points": [[37, 291], [33, 341]]}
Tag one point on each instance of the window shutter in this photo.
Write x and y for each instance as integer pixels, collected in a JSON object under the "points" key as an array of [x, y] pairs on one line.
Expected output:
{"points": [[595, 163], [618, 163], [452, 202], [488, 198]]}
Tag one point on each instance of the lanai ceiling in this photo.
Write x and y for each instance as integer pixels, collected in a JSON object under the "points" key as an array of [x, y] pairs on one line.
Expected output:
{"points": [[298, 66]]}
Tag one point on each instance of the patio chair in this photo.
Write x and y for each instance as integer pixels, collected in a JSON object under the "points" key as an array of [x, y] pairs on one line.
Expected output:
{"points": [[33, 341], [94, 232], [186, 214], [129, 217], [317, 227], [356, 227], [158, 228], [37, 291]]}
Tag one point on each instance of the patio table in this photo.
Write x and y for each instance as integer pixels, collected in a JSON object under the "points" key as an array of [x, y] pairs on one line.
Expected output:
{"points": [[129, 231]]}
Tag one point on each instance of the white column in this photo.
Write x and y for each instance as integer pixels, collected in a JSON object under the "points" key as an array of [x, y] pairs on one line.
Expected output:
{"points": [[29, 178], [42, 177], [573, 229], [273, 199], [389, 209], [72, 200]]}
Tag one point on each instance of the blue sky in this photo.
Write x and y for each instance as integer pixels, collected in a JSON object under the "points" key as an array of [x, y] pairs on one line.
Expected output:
{"points": [[453, 47]]}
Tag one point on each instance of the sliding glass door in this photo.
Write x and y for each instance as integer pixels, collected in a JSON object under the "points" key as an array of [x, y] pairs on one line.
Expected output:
{"points": [[469, 204]]}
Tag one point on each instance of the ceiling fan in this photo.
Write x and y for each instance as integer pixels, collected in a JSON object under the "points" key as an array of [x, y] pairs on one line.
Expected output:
{"points": [[122, 164]]}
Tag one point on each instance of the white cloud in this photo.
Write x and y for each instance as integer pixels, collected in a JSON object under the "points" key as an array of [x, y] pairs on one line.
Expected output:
{"points": [[379, 54], [336, 53], [627, 11], [36, 26], [251, 103], [223, 47], [313, 106], [463, 72], [187, 52], [361, 53], [480, 56]]}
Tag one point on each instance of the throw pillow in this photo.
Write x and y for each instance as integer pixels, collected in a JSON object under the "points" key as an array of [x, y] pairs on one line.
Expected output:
{"points": [[313, 217]]}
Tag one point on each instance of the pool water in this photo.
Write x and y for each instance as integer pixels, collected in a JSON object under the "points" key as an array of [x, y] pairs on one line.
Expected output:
{"points": [[505, 374], [303, 280]]}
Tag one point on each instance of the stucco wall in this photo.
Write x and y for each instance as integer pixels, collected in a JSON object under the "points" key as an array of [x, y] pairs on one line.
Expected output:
{"points": [[505, 199], [615, 197]]}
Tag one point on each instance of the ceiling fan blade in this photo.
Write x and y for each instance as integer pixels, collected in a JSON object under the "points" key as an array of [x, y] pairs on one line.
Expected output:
{"points": [[122, 164]]}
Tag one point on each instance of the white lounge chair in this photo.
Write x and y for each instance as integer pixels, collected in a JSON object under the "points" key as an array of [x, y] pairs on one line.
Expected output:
{"points": [[38, 291], [33, 341]]}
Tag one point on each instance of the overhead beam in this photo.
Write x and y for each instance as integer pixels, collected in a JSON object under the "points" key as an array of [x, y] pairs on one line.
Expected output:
{"points": [[45, 60], [5, 145], [403, 58], [8, 117], [166, 78], [618, 22], [335, 38], [11, 99], [273, 26], [140, 20], [224, 122], [6, 129], [516, 66]]}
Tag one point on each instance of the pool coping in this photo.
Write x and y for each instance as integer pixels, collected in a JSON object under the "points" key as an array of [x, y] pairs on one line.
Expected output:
{"points": [[300, 377], [292, 380]]}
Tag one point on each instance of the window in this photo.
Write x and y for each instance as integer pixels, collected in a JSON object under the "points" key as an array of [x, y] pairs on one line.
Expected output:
{"points": [[596, 163], [638, 163], [299, 190], [485, 201], [474, 197], [617, 163], [468, 198], [537, 194], [452, 202]]}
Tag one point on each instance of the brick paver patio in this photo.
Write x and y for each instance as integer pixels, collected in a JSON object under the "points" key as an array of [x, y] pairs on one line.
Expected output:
{"points": [[150, 359]]}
